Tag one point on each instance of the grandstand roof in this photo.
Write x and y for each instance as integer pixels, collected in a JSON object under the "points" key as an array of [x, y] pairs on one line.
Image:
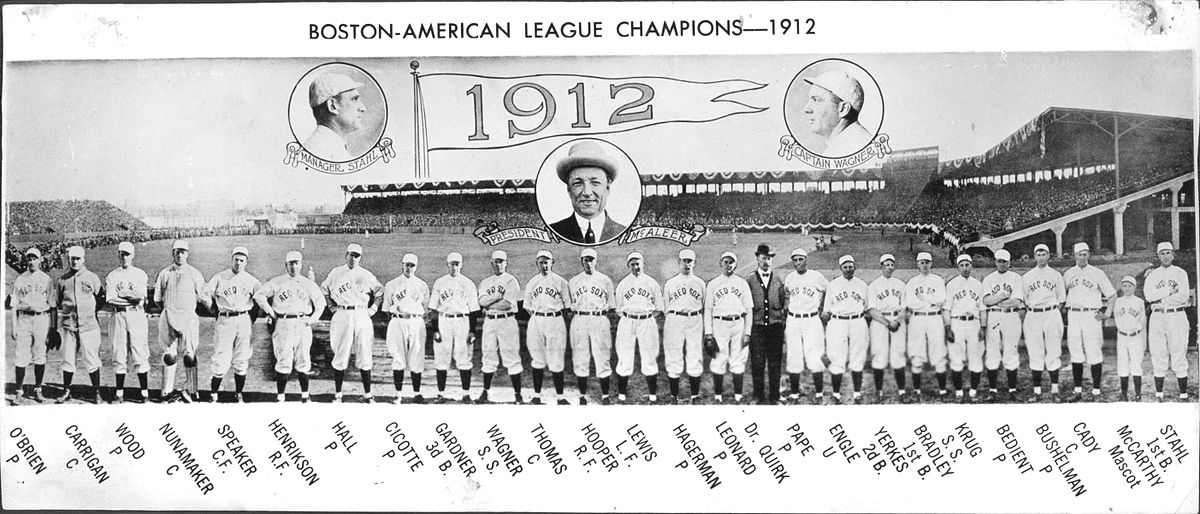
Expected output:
{"points": [[1064, 137]]}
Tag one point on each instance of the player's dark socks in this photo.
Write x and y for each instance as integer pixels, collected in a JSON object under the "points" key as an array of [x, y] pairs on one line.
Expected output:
{"points": [[673, 385], [1158, 384], [718, 385], [39, 371], [1077, 373], [516, 382], [818, 378], [95, 377], [899, 375], [695, 383], [338, 376], [622, 384], [993, 378], [120, 381], [538, 375], [280, 383], [956, 378], [441, 380], [557, 377], [303, 377], [941, 380], [794, 382], [20, 378], [1097, 372], [878, 374], [416, 381], [239, 382], [836, 378], [917, 382], [1124, 385], [216, 385], [1012, 378], [365, 375], [487, 381], [856, 380], [581, 383], [975, 376], [1137, 384], [69, 376], [1036, 379], [398, 380], [1054, 377], [737, 383], [464, 379], [604, 384], [1183, 385], [652, 384], [144, 380]]}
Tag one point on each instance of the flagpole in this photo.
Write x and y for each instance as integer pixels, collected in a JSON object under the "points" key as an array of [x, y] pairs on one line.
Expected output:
{"points": [[420, 139]]}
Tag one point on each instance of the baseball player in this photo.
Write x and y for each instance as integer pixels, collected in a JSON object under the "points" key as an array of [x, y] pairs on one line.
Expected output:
{"points": [[1088, 291], [683, 328], [591, 332], [32, 301], [1045, 292], [404, 299], [546, 296], [728, 304], [125, 291], [348, 290], [964, 316], [179, 288], [1004, 298], [499, 294], [1129, 314], [77, 293], [233, 293], [924, 295], [294, 302], [804, 333], [454, 298], [1168, 292], [885, 304], [638, 300], [846, 336]]}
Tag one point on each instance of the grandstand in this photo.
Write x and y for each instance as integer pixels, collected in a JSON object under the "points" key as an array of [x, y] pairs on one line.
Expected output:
{"points": [[68, 216], [1067, 174]]}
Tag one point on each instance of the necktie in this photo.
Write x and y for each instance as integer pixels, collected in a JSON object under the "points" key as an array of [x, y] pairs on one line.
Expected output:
{"points": [[589, 237]]}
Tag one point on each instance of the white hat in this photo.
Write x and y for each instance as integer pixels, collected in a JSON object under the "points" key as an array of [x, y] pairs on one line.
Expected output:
{"points": [[500, 254], [841, 84], [1165, 245], [328, 86], [687, 253], [729, 254], [1002, 255], [544, 253], [454, 257], [633, 256], [799, 252], [126, 247], [180, 245], [1041, 247], [1130, 279], [588, 252], [844, 259], [963, 257], [587, 153], [242, 250], [33, 250], [75, 251], [887, 257], [293, 256], [924, 256], [354, 248], [1080, 247], [409, 258]]}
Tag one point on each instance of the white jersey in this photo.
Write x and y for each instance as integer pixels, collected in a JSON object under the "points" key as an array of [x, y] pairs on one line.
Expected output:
{"points": [[1044, 287], [234, 292], [350, 287], [886, 294], [638, 294], [292, 296], [1129, 313], [591, 293], [454, 295], [804, 291], [1087, 287], [1159, 283], [125, 280], [925, 293], [684, 293], [504, 284], [846, 297], [964, 296], [727, 296], [1008, 282], [547, 293], [404, 295]]}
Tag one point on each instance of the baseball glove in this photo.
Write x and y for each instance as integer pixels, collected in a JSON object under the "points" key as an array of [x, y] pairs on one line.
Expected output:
{"points": [[949, 335], [710, 346], [53, 340], [893, 326]]}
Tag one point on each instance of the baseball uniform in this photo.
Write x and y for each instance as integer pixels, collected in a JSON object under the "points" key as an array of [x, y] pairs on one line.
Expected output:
{"points": [[1087, 288], [349, 290], [727, 307], [32, 298], [804, 334], [546, 334], [75, 295], [846, 336], [1129, 313], [637, 299], [1044, 293], [297, 302], [232, 333], [924, 295], [683, 330], [127, 327], [455, 298], [591, 332], [501, 339], [1168, 292], [1003, 323], [964, 303], [404, 299], [886, 294], [178, 288]]}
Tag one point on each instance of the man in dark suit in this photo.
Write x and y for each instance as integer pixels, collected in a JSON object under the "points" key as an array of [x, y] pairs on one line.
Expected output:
{"points": [[588, 173], [766, 334]]}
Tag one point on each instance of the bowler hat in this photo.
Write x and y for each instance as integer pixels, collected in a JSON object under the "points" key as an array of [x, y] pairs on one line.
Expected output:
{"points": [[764, 249], [587, 153]]}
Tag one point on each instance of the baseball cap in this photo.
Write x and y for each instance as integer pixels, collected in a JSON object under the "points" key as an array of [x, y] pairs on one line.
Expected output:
{"points": [[328, 86], [924, 256], [1130, 279], [1080, 247], [1041, 248], [844, 259], [293, 256], [799, 252], [242, 250], [125, 247], [588, 252], [75, 251], [544, 253], [500, 254], [180, 245], [687, 253], [887, 257], [409, 258], [1165, 245], [841, 84], [731, 255], [962, 257], [633, 256], [454, 257], [33, 250], [1002, 255], [587, 153], [354, 248]]}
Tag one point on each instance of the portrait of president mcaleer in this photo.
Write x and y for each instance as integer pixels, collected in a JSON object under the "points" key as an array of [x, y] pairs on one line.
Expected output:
{"points": [[588, 173]]}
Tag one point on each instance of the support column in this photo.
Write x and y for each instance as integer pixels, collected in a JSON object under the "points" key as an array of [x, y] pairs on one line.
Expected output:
{"points": [[1096, 240], [1175, 214], [1119, 228], [1058, 232], [1150, 226]]}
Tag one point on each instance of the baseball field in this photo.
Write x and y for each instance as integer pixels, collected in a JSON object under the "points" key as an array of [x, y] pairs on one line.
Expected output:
{"points": [[382, 253]]}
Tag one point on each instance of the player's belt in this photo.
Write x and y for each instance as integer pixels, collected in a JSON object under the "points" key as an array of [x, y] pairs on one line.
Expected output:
{"points": [[1084, 309], [1129, 334], [32, 313], [930, 313], [685, 313], [126, 308], [1169, 310], [965, 317], [405, 315], [1043, 309], [589, 313], [889, 313], [447, 315], [839, 316], [351, 307], [997, 309], [290, 316], [802, 316], [637, 316], [231, 314], [554, 314], [734, 317], [501, 315]]}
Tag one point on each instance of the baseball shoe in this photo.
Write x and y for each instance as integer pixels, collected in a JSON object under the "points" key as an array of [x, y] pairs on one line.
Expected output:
{"points": [[834, 399], [856, 400], [1075, 398], [537, 400], [1137, 397], [369, 399], [304, 398], [483, 397], [673, 400], [717, 398], [418, 399], [583, 400], [466, 399], [65, 396], [517, 398], [212, 397], [563, 401], [96, 400], [337, 398], [119, 399], [186, 397], [1124, 397], [1033, 398], [605, 400], [239, 398], [34, 393]]}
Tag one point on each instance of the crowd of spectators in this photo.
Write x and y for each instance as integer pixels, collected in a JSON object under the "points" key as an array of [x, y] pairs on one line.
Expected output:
{"points": [[66, 216]]}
